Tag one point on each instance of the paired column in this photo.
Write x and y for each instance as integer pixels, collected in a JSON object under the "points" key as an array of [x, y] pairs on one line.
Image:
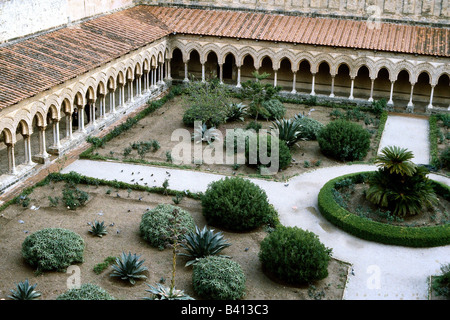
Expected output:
{"points": [[390, 102], [239, 77], [332, 86], [294, 82], [11, 158]]}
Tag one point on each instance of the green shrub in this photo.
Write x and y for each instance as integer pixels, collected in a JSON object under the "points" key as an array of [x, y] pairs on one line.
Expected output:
{"points": [[237, 204], [239, 137], [86, 291], [376, 231], [129, 267], [73, 197], [218, 278], [254, 125], [256, 156], [53, 249], [156, 223], [441, 284], [310, 127], [344, 140], [445, 158], [294, 255], [275, 109]]}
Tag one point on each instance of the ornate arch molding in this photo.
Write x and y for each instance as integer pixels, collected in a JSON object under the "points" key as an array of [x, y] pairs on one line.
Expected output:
{"points": [[408, 67], [304, 56], [226, 50], [38, 109], [433, 72], [247, 51], [266, 53], [285, 54], [340, 60], [207, 49], [7, 128], [53, 105], [319, 59]]}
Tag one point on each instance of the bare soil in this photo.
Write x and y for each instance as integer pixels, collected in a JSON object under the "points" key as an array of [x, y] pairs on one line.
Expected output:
{"points": [[125, 212], [160, 125]]}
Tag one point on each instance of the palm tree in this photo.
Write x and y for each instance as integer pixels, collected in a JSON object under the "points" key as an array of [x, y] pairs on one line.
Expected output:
{"points": [[400, 185]]}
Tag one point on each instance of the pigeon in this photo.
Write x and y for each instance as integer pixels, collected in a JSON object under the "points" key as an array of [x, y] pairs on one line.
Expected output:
{"points": [[100, 213], [112, 224], [117, 231], [121, 171], [21, 221], [142, 179], [129, 210], [132, 173], [89, 223], [246, 249], [26, 231], [140, 198], [132, 180], [151, 175], [286, 184]]}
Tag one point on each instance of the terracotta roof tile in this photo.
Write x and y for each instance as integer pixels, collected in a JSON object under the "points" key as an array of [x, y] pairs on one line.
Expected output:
{"points": [[37, 64]]}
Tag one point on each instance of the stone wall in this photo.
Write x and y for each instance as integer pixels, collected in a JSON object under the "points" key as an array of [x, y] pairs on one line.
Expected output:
{"points": [[19, 18], [424, 11]]}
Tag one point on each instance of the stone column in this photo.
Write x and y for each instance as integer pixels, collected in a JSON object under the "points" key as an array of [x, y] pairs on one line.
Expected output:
{"points": [[294, 82], [131, 98], [56, 138], [42, 143], [161, 74], [221, 73], [410, 103], [332, 87], [186, 76], [371, 89], [203, 73], [169, 70], [239, 78], [11, 158], [27, 144], [313, 92], [69, 126], [351, 89], [112, 102], [390, 102], [430, 105], [275, 77]]}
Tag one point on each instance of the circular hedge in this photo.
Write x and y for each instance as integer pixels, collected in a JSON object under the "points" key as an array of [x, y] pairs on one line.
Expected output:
{"points": [[432, 236], [86, 291], [53, 249], [237, 204], [294, 255], [218, 278], [344, 140], [156, 224]]}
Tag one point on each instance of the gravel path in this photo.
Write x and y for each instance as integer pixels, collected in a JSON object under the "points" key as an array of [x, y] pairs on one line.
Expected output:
{"points": [[410, 133], [378, 271]]}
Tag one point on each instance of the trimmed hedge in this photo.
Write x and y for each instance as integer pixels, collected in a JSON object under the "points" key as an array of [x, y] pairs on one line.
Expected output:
{"points": [[87, 291], [420, 237]]}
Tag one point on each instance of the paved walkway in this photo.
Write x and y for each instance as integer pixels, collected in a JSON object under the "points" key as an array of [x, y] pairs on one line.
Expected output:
{"points": [[408, 132], [378, 271]]}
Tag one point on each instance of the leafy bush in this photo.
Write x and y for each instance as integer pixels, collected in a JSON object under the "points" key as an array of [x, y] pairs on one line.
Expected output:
{"points": [[445, 158], [86, 291], [203, 243], [257, 157], [288, 130], [24, 291], [441, 284], [237, 204], [310, 127], [379, 106], [239, 137], [344, 140], [275, 109], [206, 102], [53, 249], [73, 197], [218, 278], [294, 255], [128, 267], [156, 223], [254, 125], [400, 185]]}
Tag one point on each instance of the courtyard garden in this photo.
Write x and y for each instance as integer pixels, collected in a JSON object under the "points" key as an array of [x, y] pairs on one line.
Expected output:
{"points": [[142, 240]]}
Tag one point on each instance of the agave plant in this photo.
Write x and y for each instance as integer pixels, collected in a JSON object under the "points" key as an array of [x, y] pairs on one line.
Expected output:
{"points": [[288, 130], [129, 267], [24, 291], [202, 243], [400, 185], [236, 111], [98, 229], [160, 292], [202, 133]]}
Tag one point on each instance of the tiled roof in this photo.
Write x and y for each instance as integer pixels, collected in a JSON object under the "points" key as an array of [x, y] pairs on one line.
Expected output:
{"points": [[307, 30], [36, 64]]}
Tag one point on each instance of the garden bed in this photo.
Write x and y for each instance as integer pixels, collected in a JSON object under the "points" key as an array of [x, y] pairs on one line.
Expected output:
{"points": [[159, 125], [124, 207], [354, 215]]}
